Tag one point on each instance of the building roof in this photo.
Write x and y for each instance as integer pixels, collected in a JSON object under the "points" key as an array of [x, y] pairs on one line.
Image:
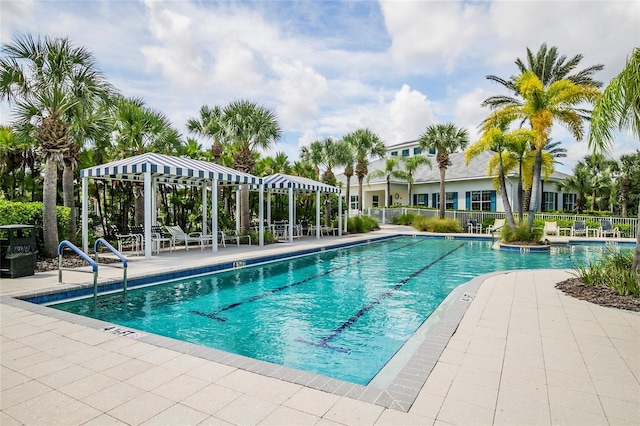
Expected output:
{"points": [[281, 183], [168, 169]]}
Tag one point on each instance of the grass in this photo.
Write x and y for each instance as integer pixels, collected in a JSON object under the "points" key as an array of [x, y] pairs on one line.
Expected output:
{"points": [[521, 233], [611, 270], [362, 224]]}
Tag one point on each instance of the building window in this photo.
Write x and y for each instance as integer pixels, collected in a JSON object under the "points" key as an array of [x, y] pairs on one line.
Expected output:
{"points": [[374, 202], [394, 153], [569, 202], [451, 200], [353, 205], [405, 152], [432, 151], [549, 201], [416, 151], [481, 201], [421, 200]]}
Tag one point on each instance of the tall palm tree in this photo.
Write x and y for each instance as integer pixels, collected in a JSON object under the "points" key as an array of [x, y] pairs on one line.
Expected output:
{"points": [[249, 127], [580, 182], [411, 164], [391, 169], [541, 106], [349, 162], [445, 139], [50, 82], [210, 124], [313, 154], [365, 144], [498, 140]]}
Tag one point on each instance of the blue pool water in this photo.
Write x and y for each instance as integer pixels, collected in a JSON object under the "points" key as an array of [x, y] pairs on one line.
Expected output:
{"points": [[342, 313]]}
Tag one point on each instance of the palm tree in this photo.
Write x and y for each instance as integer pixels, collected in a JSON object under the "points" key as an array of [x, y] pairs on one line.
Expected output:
{"points": [[391, 169], [210, 124], [50, 81], [445, 139], [249, 126], [349, 162], [365, 144], [313, 154], [580, 182], [541, 106], [411, 164]]}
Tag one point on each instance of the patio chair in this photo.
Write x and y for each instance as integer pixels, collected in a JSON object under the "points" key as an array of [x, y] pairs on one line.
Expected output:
{"points": [[125, 238], [179, 235], [551, 228], [578, 228], [473, 226], [304, 227], [159, 236], [607, 228], [497, 224], [232, 235]]}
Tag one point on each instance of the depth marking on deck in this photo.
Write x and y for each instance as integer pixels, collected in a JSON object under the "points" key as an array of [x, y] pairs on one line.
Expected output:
{"points": [[214, 315], [120, 331], [324, 342]]}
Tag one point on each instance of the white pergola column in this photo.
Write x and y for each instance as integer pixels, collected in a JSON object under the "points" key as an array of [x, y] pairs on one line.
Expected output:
{"points": [[339, 214], [204, 209], [269, 207], [147, 215], [85, 215], [318, 214], [291, 218], [238, 210], [261, 216], [214, 215], [154, 201]]}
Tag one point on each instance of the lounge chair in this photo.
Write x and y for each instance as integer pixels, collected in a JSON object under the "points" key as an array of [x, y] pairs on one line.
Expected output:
{"points": [[232, 235], [179, 235], [551, 228], [497, 224], [473, 226], [606, 228], [578, 228]]}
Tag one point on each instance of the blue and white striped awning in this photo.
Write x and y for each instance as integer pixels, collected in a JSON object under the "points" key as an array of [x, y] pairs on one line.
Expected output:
{"points": [[168, 169], [281, 183]]}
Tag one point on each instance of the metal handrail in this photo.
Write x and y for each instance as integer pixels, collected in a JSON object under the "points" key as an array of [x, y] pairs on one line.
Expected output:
{"points": [[94, 266], [118, 254]]}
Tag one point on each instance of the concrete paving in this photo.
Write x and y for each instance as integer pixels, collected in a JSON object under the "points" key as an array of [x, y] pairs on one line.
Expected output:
{"points": [[522, 353]]}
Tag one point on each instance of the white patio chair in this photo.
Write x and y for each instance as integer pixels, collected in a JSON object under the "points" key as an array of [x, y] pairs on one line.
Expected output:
{"points": [[179, 235], [551, 228]]}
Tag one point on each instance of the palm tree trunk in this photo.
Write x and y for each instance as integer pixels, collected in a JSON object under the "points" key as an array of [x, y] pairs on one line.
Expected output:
{"points": [[388, 194], [533, 203], [49, 223], [505, 197], [520, 200], [443, 171], [245, 213], [348, 203], [67, 194], [360, 201]]}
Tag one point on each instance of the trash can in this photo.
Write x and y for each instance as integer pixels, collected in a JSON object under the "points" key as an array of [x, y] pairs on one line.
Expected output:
{"points": [[18, 251]]}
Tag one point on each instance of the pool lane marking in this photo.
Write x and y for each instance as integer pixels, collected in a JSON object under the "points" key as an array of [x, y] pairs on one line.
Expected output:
{"points": [[324, 342], [214, 314]]}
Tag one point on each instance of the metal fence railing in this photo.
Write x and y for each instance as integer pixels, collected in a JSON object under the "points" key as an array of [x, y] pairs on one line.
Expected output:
{"points": [[628, 225]]}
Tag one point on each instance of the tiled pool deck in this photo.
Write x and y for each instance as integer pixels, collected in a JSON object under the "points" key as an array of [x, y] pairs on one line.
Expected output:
{"points": [[522, 353]]}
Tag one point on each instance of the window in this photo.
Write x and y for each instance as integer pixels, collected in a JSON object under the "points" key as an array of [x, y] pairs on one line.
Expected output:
{"points": [[549, 201], [432, 151], [374, 202], [353, 205], [416, 151], [405, 152], [569, 202], [451, 200], [481, 201], [421, 200], [394, 153]]}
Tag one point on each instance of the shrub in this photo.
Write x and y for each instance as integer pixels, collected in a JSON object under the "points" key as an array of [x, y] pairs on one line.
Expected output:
{"points": [[612, 270], [362, 224], [434, 224], [31, 214], [404, 219], [521, 233]]}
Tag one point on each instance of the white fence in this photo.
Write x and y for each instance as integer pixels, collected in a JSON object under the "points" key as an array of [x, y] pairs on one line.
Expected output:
{"points": [[386, 216]]}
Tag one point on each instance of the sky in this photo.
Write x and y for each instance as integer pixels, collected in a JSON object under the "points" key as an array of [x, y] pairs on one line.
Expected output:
{"points": [[327, 68]]}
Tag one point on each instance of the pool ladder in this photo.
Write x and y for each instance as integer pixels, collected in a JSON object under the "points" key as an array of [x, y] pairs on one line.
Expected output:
{"points": [[93, 263]]}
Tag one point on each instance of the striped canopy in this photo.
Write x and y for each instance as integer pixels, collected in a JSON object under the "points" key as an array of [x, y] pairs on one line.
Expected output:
{"points": [[168, 169], [281, 183]]}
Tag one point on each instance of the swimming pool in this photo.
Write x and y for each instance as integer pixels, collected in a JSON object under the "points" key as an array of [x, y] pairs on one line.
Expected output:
{"points": [[341, 313]]}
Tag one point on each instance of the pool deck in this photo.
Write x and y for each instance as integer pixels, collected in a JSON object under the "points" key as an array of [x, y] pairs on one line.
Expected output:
{"points": [[523, 353]]}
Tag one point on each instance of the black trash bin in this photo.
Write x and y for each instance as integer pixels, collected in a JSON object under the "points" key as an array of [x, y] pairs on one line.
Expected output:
{"points": [[18, 251]]}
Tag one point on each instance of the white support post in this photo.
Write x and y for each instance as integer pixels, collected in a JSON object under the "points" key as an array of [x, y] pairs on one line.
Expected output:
{"points": [[204, 209], [268, 207], [85, 215], [290, 214], [238, 200], [154, 202], [147, 215], [318, 215], [339, 215], [214, 215], [261, 216]]}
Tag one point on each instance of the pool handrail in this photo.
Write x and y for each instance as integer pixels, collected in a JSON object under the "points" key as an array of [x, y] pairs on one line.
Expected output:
{"points": [[118, 254], [94, 266]]}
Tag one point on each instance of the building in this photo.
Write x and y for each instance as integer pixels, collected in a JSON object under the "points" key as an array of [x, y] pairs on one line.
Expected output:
{"points": [[468, 187]]}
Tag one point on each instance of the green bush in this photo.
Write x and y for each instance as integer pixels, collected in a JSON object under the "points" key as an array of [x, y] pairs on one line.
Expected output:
{"points": [[362, 224], [612, 270], [521, 233], [434, 224], [404, 219], [31, 214]]}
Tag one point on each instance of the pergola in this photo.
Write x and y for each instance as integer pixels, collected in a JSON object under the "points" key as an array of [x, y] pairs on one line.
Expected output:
{"points": [[287, 184], [153, 169]]}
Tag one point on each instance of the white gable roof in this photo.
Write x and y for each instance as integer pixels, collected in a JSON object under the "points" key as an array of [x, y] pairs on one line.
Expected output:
{"points": [[282, 182]]}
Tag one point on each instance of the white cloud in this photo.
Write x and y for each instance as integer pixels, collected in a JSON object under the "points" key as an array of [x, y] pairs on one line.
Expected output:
{"points": [[410, 113], [469, 112]]}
